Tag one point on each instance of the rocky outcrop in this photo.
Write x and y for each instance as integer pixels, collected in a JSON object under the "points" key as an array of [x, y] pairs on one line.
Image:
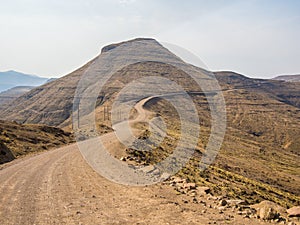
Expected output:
{"points": [[5, 154], [294, 211], [267, 210]]}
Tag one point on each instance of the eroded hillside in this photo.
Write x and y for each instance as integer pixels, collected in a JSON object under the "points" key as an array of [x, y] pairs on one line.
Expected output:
{"points": [[259, 158], [17, 140]]}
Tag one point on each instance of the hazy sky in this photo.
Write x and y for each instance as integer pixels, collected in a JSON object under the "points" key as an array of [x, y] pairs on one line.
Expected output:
{"points": [[258, 38]]}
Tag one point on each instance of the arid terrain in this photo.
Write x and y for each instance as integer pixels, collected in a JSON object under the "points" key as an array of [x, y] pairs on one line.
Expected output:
{"points": [[59, 187], [13, 93], [254, 179], [18, 140]]}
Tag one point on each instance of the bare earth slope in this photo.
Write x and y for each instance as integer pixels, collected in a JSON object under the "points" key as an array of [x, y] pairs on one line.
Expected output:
{"points": [[18, 139], [263, 125], [52, 103], [49, 104], [13, 93], [58, 187]]}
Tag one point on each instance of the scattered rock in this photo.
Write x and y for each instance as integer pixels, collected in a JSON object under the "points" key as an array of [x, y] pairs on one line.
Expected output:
{"points": [[203, 190], [6, 154], [249, 212], [245, 207], [267, 210], [268, 213], [221, 208], [176, 180], [203, 202], [229, 217], [195, 200], [190, 186], [223, 202], [236, 202]]}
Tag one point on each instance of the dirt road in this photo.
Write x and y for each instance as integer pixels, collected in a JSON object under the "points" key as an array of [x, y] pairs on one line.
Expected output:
{"points": [[59, 187]]}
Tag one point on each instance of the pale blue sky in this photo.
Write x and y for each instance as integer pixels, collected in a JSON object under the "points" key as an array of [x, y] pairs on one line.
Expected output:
{"points": [[258, 38]]}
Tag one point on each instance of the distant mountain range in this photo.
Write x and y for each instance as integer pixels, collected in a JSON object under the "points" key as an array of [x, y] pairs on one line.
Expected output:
{"points": [[10, 79], [289, 78]]}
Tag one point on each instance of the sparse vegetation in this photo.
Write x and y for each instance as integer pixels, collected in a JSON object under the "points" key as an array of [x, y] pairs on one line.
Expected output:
{"points": [[259, 158], [18, 140]]}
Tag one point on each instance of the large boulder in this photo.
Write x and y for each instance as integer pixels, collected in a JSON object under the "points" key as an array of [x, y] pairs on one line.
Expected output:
{"points": [[294, 211], [267, 210]]}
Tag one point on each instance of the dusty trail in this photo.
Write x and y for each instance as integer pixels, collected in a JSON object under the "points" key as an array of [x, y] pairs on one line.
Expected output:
{"points": [[59, 187]]}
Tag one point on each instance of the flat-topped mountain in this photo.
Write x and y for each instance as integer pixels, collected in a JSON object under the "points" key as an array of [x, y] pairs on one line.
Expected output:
{"points": [[52, 102], [263, 118]]}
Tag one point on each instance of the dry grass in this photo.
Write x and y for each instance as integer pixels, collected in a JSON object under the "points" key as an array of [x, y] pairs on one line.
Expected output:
{"points": [[26, 139], [260, 156]]}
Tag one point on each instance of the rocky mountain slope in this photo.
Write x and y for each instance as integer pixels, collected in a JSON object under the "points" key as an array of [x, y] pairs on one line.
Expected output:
{"points": [[13, 93], [49, 104], [263, 119], [17, 140]]}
